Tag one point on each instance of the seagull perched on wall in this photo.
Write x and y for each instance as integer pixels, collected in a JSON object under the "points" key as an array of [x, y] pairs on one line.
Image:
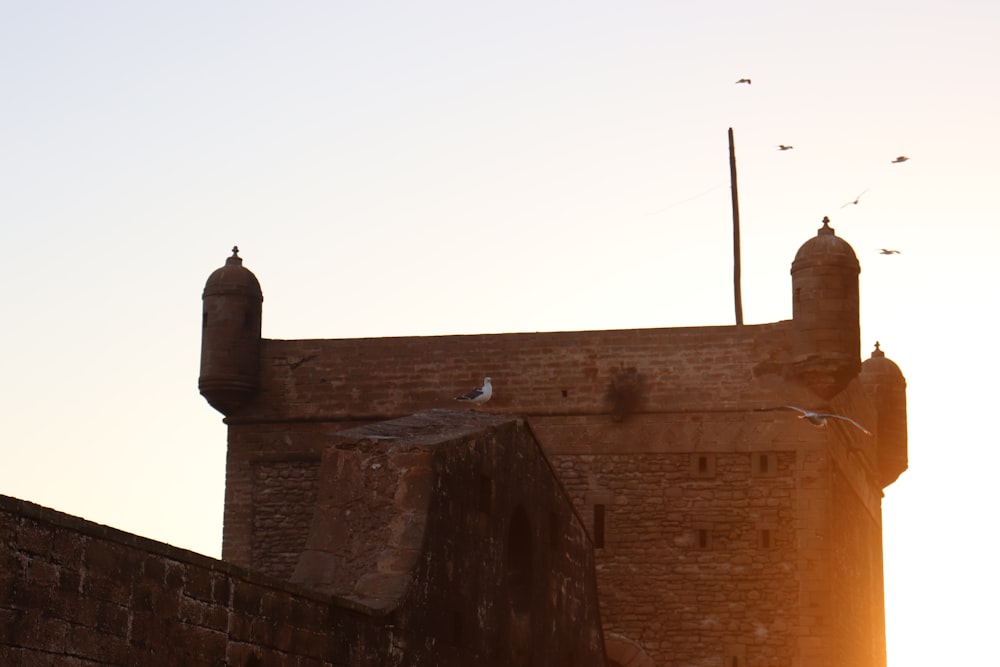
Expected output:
{"points": [[901, 158], [819, 418], [783, 147], [855, 202], [887, 251], [479, 395], [746, 81]]}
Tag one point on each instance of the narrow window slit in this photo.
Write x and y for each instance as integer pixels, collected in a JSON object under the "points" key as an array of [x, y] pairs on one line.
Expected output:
{"points": [[703, 538]]}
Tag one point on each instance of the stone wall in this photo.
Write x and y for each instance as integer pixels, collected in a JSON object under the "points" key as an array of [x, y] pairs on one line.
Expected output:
{"points": [[468, 505], [473, 554], [726, 531], [594, 381], [699, 554], [658, 437], [533, 374], [76, 593], [857, 610]]}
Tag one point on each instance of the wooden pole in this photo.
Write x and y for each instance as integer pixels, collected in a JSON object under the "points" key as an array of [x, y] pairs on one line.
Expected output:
{"points": [[737, 289]]}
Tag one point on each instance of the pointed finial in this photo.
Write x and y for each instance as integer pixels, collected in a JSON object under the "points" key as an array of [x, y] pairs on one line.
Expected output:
{"points": [[826, 228], [235, 259], [878, 351]]}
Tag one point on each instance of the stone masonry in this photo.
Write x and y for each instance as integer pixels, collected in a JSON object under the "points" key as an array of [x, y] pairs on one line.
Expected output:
{"points": [[405, 564], [726, 530]]}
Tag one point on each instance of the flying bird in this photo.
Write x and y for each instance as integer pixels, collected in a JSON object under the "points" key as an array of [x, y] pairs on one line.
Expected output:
{"points": [[901, 158], [479, 395], [856, 200], [783, 147], [886, 251], [819, 418], [746, 81]]}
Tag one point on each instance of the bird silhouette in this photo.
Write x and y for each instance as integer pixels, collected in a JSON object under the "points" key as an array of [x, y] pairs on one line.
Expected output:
{"points": [[819, 418], [783, 147], [901, 158], [886, 251], [856, 200], [746, 81], [478, 395]]}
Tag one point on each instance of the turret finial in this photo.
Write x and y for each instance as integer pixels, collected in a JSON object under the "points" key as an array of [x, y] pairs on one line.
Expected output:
{"points": [[826, 228], [878, 351], [235, 259]]}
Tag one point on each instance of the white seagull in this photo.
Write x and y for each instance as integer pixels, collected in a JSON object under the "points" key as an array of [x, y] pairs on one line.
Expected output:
{"points": [[478, 395], [783, 147], [746, 81], [887, 251], [820, 418], [901, 158], [855, 202]]}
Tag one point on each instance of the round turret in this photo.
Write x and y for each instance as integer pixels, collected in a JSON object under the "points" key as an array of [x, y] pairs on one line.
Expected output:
{"points": [[825, 310], [230, 336], [885, 384]]}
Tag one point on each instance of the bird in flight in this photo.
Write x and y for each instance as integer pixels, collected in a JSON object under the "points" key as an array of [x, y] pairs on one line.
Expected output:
{"points": [[856, 200], [783, 147], [887, 251], [901, 158], [819, 418], [479, 395], [746, 81]]}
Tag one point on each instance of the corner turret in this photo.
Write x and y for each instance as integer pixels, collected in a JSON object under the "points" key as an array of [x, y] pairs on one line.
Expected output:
{"points": [[825, 310], [885, 384], [230, 336]]}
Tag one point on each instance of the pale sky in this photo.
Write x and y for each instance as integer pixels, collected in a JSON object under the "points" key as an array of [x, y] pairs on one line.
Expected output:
{"points": [[400, 168]]}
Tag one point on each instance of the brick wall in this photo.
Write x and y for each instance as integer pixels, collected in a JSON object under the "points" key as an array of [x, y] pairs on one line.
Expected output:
{"points": [[271, 484], [489, 564], [77, 593], [726, 564], [533, 374], [732, 537], [856, 587], [457, 520], [284, 500], [724, 534], [699, 557]]}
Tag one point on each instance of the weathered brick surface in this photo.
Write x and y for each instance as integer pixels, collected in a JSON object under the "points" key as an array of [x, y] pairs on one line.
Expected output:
{"points": [[412, 593], [856, 586], [271, 485], [723, 535], [758, 591], [535, 374], [284, 497], [705, 580], [138, 602], [504, 565]]}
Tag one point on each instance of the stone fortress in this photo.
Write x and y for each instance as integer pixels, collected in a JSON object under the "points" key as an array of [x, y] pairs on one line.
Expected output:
{"points": [[630, 498]]}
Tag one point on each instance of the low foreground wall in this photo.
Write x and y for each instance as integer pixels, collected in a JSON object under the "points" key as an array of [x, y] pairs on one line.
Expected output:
{"points": [[482, 560]]}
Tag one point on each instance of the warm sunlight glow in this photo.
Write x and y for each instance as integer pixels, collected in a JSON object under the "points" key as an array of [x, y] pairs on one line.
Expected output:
{"points": [[411, 168]]}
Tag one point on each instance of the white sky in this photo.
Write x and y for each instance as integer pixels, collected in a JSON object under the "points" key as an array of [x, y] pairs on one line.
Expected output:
{"points": [[392, 168]]}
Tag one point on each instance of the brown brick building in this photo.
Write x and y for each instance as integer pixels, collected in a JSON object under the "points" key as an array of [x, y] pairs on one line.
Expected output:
{"points": [[724, 532], [634, 494]]}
